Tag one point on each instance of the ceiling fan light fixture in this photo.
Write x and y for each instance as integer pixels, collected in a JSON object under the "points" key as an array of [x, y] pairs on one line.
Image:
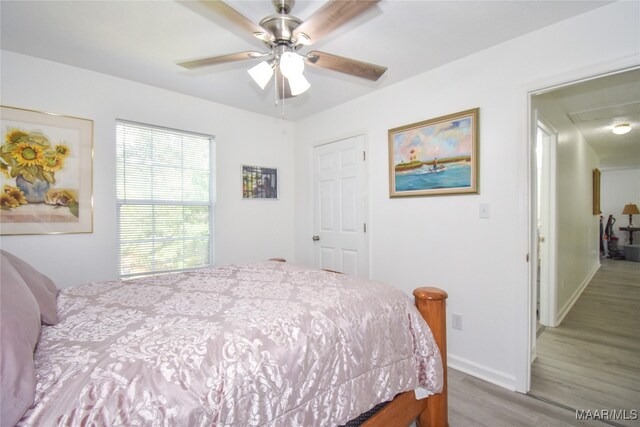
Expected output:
{"points": [[284, 34], [622, 128], [291, 64], [261, 73], [298, 84]]}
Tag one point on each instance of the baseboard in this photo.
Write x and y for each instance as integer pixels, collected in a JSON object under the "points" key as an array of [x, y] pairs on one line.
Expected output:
{"points": [[485, 373], [569, 304]]}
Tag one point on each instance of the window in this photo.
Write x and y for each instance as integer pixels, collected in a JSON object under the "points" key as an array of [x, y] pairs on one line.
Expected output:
{"points": [[165, 199]]}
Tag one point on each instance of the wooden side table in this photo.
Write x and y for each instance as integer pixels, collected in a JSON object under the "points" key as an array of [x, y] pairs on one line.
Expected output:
{"points": [[630, 230]]}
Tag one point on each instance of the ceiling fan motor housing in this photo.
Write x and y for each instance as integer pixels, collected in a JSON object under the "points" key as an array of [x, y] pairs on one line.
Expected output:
{"points": [[281, 27]]}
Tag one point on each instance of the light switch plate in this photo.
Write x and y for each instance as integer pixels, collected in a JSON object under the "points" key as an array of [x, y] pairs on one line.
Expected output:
{"points": [[485, 211]]}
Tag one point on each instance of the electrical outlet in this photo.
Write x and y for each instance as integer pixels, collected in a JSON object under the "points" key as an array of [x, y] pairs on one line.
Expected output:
{"points": [[456, 321]]}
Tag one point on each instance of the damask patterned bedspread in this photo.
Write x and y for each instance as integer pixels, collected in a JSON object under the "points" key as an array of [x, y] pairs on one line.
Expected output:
{"points": [[268, 344]]}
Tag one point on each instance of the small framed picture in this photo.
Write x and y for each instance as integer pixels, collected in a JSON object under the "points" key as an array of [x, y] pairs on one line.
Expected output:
{"points": [[259, 182]]}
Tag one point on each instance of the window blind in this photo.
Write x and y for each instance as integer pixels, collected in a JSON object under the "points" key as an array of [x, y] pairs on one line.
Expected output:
{"points": [[165, 194]]}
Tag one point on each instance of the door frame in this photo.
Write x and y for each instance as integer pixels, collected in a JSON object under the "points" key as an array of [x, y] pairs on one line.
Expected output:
{"points": [[548, 292], [526, 321], [365, 195]]}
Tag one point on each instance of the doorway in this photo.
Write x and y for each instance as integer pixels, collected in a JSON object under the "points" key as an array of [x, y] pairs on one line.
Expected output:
{"points": [[583, 113], [340, 207]]}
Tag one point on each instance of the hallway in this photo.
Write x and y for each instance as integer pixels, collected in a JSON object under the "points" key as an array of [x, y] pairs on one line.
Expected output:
{"points": [[592, 360]]}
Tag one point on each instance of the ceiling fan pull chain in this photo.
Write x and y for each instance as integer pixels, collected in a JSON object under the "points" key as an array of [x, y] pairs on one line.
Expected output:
{"points": [[275, 91], [283, 97]]}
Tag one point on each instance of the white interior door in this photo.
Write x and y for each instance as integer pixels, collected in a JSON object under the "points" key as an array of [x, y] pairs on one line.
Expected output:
{"points": [[545, 222], [340, 235]]}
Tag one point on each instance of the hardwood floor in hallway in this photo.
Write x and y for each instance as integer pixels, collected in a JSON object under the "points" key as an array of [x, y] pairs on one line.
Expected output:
{"points": [[592, 360], [477, 403]]}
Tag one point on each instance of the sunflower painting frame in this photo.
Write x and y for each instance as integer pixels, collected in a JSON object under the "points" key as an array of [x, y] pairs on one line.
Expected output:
{"points": [[46, 173]]}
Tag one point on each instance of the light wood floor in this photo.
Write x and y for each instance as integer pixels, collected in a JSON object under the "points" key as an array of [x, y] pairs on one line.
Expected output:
{"points": [[477, 403], [592, 360]]}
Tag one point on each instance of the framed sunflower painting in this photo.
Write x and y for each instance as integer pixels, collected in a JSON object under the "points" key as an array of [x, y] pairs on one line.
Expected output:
{"points": [[46, 173]]}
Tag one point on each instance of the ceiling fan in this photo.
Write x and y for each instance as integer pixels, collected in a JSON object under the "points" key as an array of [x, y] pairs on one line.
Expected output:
{"points": [[285, 35]]}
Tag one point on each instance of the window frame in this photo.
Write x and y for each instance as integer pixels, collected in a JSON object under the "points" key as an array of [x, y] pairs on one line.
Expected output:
{"points": [[211, 204]]}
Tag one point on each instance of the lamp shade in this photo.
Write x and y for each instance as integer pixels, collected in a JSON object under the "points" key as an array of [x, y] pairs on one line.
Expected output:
{"points": [[291, 64], [630, 209], [261, 73], [298, 84]]}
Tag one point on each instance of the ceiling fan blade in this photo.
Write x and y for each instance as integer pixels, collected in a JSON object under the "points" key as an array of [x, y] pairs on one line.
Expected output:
{"points": [[333, 14], [280, 81], [222, 59], [224, 10], [341, 64]]}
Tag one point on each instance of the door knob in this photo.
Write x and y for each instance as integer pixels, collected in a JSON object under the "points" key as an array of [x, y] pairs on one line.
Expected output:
{"points": [[315, 238]]}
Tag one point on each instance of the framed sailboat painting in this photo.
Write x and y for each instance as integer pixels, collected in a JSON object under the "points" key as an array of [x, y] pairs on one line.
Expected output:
{"points": [[435, 157]]}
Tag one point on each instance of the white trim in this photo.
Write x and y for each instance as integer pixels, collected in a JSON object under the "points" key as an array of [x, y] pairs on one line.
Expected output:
{"points": [[583, 74], [165, 129], [213, 199], [485, 373], [569, 304]]}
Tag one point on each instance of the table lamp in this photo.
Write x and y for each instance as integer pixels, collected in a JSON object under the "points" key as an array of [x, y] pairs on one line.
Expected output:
{"points": [[630, 209]]}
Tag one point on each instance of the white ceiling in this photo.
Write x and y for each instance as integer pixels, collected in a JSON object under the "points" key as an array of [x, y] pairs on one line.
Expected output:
{"points": [[595, 106], [142, 40]]}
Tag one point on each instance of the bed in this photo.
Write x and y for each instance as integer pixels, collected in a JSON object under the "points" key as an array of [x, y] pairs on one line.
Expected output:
{"points": [[267, 343]]}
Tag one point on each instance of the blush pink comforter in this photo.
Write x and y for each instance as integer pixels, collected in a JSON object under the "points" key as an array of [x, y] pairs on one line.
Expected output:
{"points": [[261, 344]]}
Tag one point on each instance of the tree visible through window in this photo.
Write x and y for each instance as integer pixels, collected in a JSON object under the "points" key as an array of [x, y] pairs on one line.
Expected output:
{"points": [[165, 195]]}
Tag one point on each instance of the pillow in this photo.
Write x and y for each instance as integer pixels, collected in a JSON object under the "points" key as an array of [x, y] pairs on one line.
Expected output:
{"points": [[42, 288], [19, 330]]}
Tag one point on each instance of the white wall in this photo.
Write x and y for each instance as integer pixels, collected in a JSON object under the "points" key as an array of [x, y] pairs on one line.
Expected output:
{"points": [[577, 229], [619, 187], [245, 230], [441, 241]]}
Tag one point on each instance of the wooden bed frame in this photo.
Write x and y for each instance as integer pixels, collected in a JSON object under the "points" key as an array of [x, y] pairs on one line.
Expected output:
{"points": [[404, 409]]}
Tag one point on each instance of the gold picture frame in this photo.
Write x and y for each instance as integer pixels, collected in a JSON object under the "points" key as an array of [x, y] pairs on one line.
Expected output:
{"points": [[435, 157], [46, 161], [596, 192]]}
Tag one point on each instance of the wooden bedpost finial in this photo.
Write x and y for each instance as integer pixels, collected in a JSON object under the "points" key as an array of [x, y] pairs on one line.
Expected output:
{"points": [[432, 305], [430, 293]]}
